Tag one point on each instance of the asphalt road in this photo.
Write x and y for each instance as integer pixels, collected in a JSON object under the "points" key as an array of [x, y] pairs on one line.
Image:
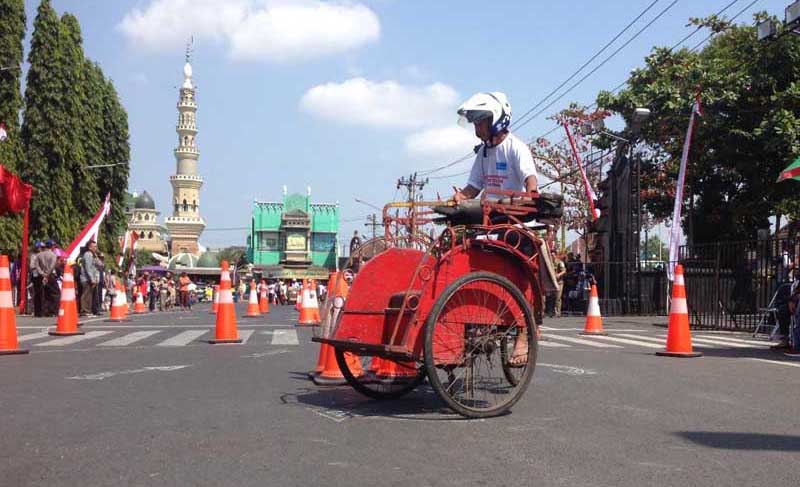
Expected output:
{"points": [[150, 403]]}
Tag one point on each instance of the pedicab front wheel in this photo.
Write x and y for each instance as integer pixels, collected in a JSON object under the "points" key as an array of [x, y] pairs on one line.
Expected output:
{"points": [[474, 325]]}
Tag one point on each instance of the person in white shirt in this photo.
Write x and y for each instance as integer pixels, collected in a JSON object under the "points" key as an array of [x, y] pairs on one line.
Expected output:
{"points": [[503, 161]]}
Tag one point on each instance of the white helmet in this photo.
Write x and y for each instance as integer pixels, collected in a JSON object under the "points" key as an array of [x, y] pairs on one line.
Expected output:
{"points": [[493, 106]]}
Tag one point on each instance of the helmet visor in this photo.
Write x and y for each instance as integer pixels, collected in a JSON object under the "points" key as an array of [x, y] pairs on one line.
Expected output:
{"points": [[467, 117]]}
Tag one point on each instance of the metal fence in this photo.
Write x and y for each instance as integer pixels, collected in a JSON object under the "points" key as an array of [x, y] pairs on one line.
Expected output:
{"points": [[730, 284]]}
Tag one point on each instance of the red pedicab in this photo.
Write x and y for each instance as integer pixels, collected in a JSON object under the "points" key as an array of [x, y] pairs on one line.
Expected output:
{"points": [[461, 313]]}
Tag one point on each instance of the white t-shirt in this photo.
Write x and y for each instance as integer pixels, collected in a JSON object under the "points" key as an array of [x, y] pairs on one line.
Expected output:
{"points": [[505, 166]]}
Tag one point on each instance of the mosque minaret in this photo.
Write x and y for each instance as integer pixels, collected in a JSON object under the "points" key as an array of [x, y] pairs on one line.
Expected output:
{"points": [[185, 225]]}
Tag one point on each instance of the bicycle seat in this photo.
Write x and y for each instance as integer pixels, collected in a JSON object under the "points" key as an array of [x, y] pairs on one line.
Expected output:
{"points": [[470, 212]]}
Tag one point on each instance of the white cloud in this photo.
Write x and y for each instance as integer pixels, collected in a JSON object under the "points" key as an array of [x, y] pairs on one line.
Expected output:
{"points": [[443, 143], [359, 101], [254, 30]]}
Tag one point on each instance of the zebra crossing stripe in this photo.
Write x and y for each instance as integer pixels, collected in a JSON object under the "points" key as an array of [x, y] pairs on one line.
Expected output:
{"points": [[284, 337], [545, 343], [581, 341], [627, 341], [182, 339], [245, 335], [128, 339], [662, 341], [760, 343], [721, 342], [33, 336], [73, 339]]}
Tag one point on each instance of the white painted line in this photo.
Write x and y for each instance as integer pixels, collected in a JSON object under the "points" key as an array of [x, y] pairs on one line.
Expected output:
{"points": [[285, 337], [546, 343], [182, 339], [112, 373], [662, 341], [762, 343], [776, 362], [72, 339], [581, 341], [627, 341], [32, 336], [245, 335], [128, 339], [720, 342]]}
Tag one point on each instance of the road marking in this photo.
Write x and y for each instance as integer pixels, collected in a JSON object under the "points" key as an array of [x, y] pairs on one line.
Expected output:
{"points": [[581, 341], [245, 335], [627, 341], [721, 342], [776, 362], [547, 343], [761, 343], [266, 354], [285, 337], [112, 373], [182, 339], [32, 336], [128, 339], [639, 337], [72, 339], [567, 369]]}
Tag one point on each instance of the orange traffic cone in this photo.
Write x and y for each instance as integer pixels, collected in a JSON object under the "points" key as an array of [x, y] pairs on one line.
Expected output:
{"points": [[139, 308], [119, 305], [324, 350], [263, 302], [8, 317], [215, 301], [226, 331], [594, 322], [309, 308], [679, 338], [252, 302], [330, 374], [67, 323], [389, 371]]}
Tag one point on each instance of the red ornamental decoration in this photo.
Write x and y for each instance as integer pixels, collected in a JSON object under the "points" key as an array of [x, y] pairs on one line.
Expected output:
{"points": [[14, 193]]}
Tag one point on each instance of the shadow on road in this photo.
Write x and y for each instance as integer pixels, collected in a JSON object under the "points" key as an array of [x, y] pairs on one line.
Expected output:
{"points": [[743, 441], [343, 402]]}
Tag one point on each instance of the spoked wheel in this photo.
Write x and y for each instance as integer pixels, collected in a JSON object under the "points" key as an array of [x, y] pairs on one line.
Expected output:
{"points": [[480, 345], [377, 377]]}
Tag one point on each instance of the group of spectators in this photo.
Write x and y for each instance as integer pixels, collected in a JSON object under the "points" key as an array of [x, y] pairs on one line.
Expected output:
{"points": [[280, 291], [164, 292], [787, 305]]}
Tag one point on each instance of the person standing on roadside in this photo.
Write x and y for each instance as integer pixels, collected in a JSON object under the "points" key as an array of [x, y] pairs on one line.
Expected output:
{"points": [[561, 271], [37, 279], [184, 282], [90, 276], [46, 261]]}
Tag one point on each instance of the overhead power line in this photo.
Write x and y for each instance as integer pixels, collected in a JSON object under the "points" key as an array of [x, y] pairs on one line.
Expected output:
{"points": [[602, 63], [577, 72]]}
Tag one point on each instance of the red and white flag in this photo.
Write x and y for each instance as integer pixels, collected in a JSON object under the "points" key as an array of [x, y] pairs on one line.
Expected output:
{"points": [[90, 232], [3, 132], [590, 194], [675, 230]]}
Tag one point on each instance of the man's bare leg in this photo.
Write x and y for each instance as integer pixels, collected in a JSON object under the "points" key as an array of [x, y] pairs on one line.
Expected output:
{"points": [[520, 354]]}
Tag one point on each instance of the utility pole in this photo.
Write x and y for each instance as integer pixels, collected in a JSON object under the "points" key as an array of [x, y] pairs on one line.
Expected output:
{"points": [[372, 221], [412, 185]]}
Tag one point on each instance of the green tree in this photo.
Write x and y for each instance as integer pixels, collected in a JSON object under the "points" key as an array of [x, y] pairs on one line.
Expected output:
{"points": [[44, 133], [12, 33], [116, 156], [750, 130]]}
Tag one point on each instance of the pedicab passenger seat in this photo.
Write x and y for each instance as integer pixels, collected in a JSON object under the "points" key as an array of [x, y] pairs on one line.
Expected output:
{"points": [[547, 206]]}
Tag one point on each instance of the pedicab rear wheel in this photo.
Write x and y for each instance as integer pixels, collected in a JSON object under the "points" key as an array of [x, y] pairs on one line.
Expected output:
{"points": [[371, 383], [470, 322]]}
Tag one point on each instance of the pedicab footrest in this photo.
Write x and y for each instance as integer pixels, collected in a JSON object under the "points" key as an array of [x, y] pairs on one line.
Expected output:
{"points": [[394, 352]]}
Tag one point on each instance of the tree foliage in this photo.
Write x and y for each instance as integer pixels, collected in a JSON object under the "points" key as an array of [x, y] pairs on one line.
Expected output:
{"points": [[73, 120], [12, 33], [750, 130]]}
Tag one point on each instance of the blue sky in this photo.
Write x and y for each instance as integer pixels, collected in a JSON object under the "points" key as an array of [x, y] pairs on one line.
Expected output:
{"points": [[347, 96]]}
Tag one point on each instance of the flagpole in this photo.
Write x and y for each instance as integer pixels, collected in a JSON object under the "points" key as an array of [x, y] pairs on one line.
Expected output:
{"points": [[586, 185]]}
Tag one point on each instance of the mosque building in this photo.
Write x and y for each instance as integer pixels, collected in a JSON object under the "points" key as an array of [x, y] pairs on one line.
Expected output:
{"points": [[143, 220]]}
